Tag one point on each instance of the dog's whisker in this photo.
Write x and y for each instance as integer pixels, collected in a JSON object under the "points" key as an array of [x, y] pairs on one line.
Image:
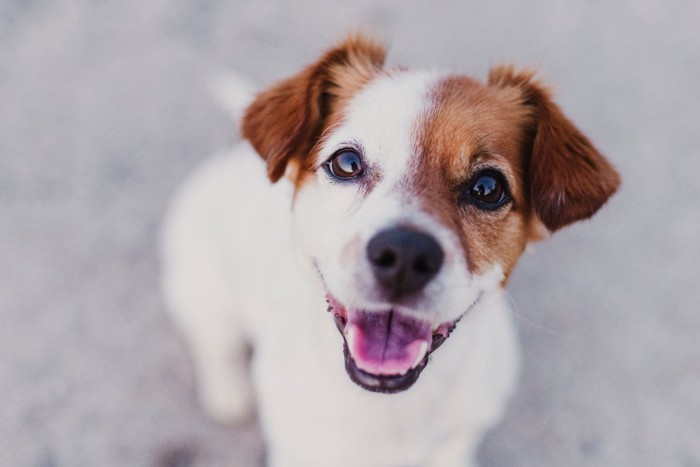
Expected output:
{"points": [[513, 309]]}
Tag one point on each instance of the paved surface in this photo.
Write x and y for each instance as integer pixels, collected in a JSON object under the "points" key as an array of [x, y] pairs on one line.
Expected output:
{"points": [[104, 108]]}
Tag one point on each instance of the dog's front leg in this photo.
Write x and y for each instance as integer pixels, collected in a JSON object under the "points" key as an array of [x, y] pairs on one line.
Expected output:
{"points": [[223, 379], [459, 449]]}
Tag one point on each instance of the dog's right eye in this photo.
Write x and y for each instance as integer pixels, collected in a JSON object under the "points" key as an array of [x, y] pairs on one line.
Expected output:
{"points": [[345, 164], [487, 191]]}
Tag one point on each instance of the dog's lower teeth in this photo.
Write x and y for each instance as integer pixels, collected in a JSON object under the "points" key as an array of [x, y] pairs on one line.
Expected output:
{"points": [[421, 354]]}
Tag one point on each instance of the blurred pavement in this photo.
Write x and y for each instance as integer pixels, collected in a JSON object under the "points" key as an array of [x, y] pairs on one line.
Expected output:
{"points": [[105, 107]]}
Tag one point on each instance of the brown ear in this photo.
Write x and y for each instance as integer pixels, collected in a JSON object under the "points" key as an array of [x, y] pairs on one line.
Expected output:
{"points": [[284, 122], [569, 179]]}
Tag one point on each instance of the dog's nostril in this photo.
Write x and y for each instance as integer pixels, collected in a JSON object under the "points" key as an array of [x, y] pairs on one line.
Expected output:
{"points": [[421, 265], [386, 259]]}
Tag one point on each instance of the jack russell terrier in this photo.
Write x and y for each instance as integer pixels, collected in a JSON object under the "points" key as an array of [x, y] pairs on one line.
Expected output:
{"points": [[359, 300]]}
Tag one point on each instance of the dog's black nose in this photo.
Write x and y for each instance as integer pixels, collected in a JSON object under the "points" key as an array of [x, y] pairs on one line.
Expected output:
{"points": [[403, 260]]}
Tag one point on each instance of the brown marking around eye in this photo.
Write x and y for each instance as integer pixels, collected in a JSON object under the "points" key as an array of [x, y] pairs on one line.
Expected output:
{"points": [[286, 120], [335, 117], [471, 126]]}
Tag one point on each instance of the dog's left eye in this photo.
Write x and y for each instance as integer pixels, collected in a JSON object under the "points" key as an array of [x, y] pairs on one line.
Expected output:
{"points": [[345, 164], [488, 191]]}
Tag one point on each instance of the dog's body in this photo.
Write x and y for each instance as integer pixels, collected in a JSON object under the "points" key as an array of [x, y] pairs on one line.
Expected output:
{"points": [[222, 293], [407, 200]]}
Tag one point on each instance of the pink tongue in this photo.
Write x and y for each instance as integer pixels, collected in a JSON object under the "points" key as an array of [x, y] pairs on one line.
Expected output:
{"points": [[386, 343]]}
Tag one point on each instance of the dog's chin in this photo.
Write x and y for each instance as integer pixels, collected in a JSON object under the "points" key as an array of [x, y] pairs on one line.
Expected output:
{"points": [[386, 351]]}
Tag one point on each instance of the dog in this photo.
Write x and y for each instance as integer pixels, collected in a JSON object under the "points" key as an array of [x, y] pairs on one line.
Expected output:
{"points": [[368, 282]]}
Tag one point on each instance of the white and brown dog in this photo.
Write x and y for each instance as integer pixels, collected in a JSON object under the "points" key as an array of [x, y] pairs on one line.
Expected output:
{"points": [[404, 200]]}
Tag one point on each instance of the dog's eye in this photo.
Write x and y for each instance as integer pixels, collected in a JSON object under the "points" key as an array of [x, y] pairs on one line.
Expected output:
{"points": [[345, 164], [488, 191]]}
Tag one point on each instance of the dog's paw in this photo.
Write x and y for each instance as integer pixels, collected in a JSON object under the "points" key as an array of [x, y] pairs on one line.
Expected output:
{"points": [[231, 406]]}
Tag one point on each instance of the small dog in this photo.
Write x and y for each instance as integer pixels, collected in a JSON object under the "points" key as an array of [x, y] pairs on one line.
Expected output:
{"points": [[404, 200]]}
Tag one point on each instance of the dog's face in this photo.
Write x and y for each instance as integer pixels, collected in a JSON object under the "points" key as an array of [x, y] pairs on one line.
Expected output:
{"points": [[417, 192]]}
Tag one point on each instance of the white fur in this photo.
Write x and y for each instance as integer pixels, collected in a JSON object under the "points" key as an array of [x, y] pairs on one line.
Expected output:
{"points": [[236, 273]]}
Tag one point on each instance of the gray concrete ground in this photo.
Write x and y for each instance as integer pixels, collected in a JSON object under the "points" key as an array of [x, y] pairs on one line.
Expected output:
{"points": [[104, 108]]}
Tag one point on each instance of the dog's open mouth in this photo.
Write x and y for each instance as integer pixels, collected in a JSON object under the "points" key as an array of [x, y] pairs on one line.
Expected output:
{"points": [[385, 351]]}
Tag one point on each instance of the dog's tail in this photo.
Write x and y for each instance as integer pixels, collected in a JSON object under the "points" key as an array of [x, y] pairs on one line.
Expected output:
{"points": [[233, 93]]}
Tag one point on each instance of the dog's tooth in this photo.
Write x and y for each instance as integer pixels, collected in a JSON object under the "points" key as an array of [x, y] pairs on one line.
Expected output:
{"points": [[350, 336], [421, 353]]}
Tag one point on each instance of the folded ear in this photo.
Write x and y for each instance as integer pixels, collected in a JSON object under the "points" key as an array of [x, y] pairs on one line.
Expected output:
{"points": [[284, 122], [569, 179]]}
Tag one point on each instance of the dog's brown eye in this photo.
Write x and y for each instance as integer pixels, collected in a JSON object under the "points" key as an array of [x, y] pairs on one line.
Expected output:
{"points": [[345, 165], [488, 191]]}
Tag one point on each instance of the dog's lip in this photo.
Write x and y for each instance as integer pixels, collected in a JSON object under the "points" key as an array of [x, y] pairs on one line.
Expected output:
{"points": [[387, 383]]}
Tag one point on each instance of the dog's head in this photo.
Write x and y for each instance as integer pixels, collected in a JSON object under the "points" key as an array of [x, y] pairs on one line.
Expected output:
{"points": [[417, 192]]}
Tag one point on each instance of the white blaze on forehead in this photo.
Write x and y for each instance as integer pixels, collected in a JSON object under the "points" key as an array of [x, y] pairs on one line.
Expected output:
{"points": [[384, 118]]}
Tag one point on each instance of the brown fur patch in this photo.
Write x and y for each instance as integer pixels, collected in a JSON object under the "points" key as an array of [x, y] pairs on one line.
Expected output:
{"points": [[555, 175], [285, 122], [472, 127]]}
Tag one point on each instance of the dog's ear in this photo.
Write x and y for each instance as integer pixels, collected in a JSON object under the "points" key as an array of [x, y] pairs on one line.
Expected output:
{"points": [[284, 122], [568, 178]]}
